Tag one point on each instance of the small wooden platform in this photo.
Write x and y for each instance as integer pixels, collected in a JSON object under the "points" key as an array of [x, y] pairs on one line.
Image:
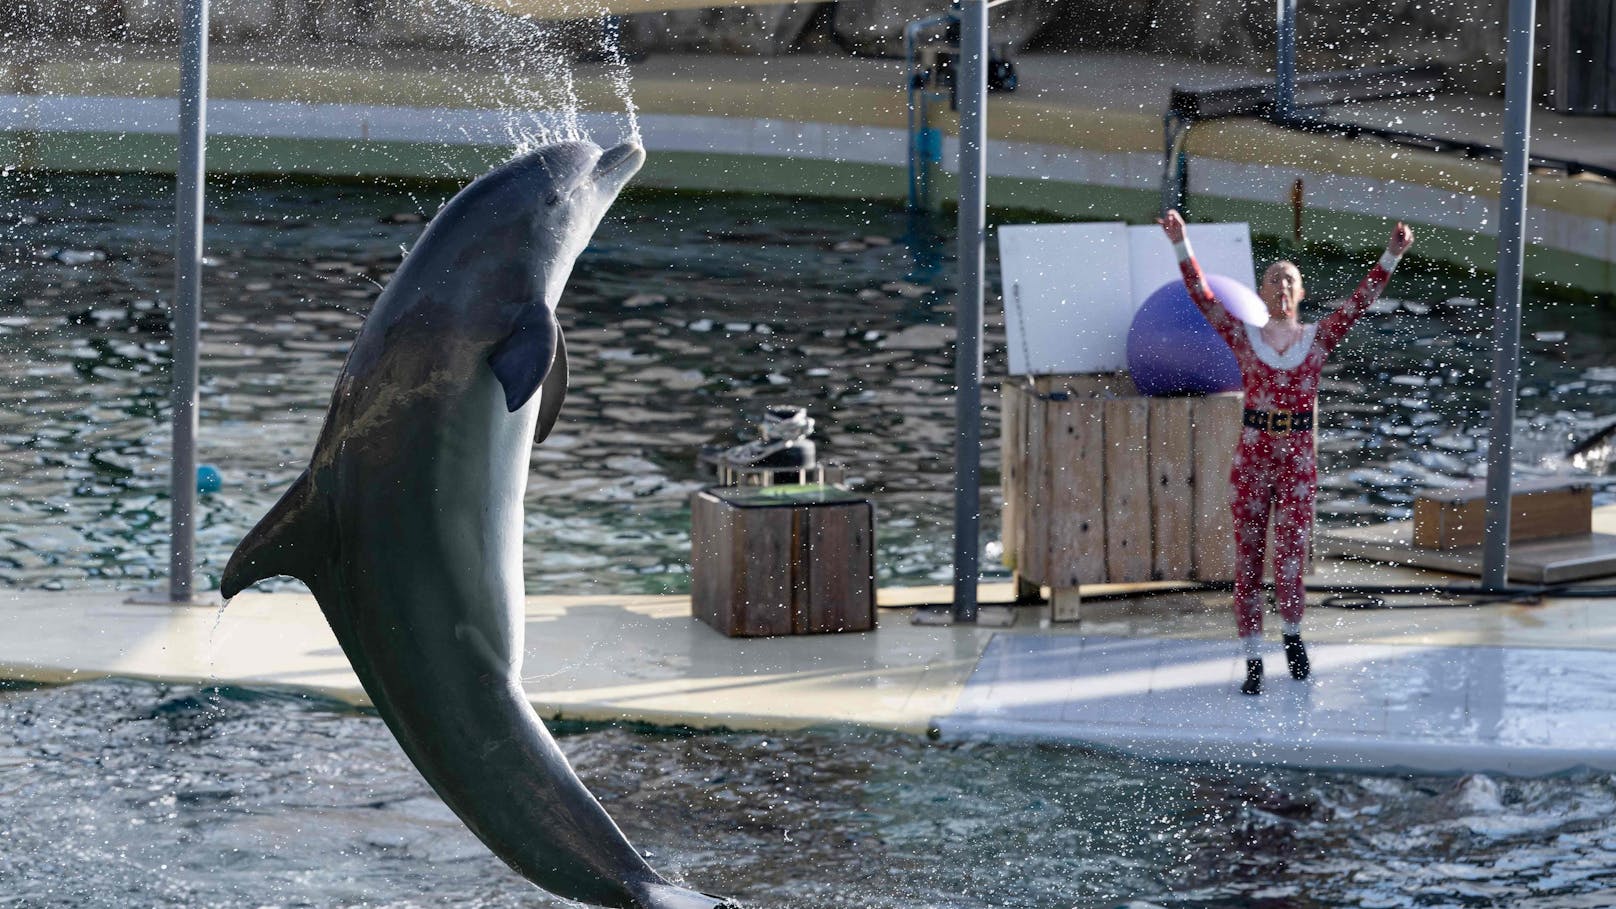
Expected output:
{"points": [[1539, 509], [779, 560], [1554, 560]]}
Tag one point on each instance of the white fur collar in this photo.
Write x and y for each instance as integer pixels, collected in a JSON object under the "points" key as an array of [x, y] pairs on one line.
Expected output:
{"points": [[1293, 355]]}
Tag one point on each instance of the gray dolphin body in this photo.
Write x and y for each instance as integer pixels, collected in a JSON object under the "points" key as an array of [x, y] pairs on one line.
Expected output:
{"points": [[407, 524]]}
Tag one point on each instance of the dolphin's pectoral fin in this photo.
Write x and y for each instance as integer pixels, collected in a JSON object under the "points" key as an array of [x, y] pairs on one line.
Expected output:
{"points": [[554, 390], [523, 359], [285, 542]]}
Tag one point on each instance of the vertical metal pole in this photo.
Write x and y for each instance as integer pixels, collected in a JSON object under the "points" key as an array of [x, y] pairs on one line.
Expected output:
{"points": [[973, 102], [909, 93], [1507, 308], [187, 293], [1285, 62]]}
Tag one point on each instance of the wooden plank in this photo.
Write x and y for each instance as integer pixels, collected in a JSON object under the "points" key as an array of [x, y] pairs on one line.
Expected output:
{"points": [[1216, 430], [840, 589], [1065, 604], [1099, 385], [1012, 467], [1126, 490], [1428, 515], [1076, 517], [1172, 490], [765, 552], [799, 576], [709, 538], [1033, 558]]}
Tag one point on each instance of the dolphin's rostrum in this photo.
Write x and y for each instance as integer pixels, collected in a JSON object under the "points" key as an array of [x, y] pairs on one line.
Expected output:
{"points": [[407, 524]]}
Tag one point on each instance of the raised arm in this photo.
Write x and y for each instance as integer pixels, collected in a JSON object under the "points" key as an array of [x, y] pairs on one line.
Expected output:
{"points": [[1227, 326], [1334, 327]]}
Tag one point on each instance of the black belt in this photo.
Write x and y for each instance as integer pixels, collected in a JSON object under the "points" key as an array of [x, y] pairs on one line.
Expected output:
{"points": [[1278, 420]]}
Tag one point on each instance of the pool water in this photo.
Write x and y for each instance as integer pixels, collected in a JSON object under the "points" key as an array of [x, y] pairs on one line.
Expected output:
{"points": [[120, 794], [684, 319]]}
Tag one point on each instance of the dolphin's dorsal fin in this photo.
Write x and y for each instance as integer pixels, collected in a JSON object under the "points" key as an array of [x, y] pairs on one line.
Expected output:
{"points": [[554, 390], [288, 541], [522, 360]]}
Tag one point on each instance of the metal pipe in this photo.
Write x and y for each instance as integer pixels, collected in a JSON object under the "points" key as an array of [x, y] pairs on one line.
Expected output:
{"points": [[1285, 62], [187, 294], [973, 101], [910, 34], [1507, 306], [1175, 162], [909, 96]]}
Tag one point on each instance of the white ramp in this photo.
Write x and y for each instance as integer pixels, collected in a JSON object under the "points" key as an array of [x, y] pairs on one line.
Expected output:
{"points": [[1378, 707]]}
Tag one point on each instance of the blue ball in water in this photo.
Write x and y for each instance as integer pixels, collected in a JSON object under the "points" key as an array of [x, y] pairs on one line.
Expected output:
{"points": [[208, 479], [1173, 350]]}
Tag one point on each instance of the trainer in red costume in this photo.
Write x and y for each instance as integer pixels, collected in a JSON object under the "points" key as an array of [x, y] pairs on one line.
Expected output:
{"points": [[1275, 468]]}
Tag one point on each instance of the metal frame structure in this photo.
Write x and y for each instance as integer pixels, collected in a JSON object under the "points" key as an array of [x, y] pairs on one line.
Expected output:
{"points": [[1285, 61], [972, 91], [1507, 312], [1187, 106], [190, 193], [921, 152]]}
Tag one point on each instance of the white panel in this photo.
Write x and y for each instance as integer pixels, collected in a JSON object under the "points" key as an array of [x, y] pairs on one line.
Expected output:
{"points": [[1222, 249], [1066, 297]]}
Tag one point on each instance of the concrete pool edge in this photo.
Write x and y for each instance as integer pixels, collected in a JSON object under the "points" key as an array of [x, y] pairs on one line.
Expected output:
{"points": [[1067, 162]]}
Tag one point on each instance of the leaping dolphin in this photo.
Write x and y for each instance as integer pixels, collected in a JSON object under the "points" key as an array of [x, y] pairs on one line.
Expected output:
{"points": [[407, 524]]}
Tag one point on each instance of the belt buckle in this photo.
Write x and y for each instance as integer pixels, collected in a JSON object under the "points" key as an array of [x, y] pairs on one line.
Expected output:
{"points": [[1279, 422]]}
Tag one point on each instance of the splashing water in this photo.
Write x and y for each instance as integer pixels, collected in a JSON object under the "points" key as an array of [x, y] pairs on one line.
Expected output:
{"points": [[543, 99]]}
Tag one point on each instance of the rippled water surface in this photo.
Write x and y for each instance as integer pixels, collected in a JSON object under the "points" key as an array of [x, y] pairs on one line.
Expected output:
{"points": [[120, 794], [686, 316]]}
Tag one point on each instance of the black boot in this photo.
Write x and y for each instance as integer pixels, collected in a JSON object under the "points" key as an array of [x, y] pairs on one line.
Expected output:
{"points": [[1253, 678], [1296, 656]]}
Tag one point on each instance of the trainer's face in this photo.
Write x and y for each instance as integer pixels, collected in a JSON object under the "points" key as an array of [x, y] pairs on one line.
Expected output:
{"points": [[1282, 290]]}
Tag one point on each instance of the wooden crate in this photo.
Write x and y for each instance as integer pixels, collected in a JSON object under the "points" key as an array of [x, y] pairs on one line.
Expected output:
{"points": [[1457, 518], [766, 563], [1102, 485]]}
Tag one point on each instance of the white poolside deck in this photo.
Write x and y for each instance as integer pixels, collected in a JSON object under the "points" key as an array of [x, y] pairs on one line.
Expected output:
{"points": [[1505, 687]]}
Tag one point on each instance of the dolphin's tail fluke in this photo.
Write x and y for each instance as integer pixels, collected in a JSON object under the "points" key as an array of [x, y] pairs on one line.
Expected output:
{"points": [[667, 896], [283, 543]]}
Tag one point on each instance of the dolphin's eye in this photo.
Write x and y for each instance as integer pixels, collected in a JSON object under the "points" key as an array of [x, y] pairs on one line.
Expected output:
{"points": [[554, 199]]}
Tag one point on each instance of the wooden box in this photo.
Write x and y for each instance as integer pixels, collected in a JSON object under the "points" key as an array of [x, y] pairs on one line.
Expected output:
{"points": [[1102, 485], [782, 560], [1457, 518]]}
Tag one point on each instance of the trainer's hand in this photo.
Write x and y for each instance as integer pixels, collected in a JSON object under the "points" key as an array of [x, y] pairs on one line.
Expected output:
{"points": [[1173, 224], [1402, 239]]}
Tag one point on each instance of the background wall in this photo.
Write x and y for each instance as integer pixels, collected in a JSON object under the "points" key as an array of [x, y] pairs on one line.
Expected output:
{"points": [[1467, 34]]}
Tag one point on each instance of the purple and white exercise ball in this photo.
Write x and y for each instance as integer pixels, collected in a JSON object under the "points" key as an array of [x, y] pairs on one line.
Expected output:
{"points": [[1173, 350]]}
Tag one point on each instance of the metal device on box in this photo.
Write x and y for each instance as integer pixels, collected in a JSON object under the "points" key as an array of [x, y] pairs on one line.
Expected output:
{"points": [[782, 453]]}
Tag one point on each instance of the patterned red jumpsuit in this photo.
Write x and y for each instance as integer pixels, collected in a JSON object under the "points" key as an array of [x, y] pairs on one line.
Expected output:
{"points": [[1276, 470]]}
